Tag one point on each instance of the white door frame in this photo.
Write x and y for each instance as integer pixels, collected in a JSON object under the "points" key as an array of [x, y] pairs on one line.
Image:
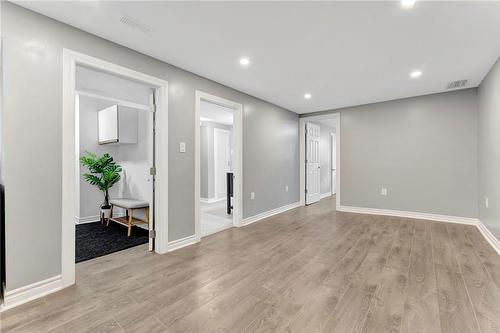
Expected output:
{"points": [[215, 154], [237, 139], [70, 158], [302, 155], [333, 137]]}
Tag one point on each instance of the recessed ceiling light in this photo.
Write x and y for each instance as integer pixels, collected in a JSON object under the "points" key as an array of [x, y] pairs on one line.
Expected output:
{"points": [[408, 3], [307, 96], [416, 74], [244, 61]]}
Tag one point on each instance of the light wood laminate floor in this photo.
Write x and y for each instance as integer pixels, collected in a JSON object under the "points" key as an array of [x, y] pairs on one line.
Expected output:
{"points": [[311, 269]]}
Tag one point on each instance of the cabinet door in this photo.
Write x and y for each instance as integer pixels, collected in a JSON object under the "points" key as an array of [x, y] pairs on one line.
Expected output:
{"points": [[108, 125], [127, 124]]}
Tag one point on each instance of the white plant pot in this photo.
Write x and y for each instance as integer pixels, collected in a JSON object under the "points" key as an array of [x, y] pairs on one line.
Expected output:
{"points": [[105, 212]]}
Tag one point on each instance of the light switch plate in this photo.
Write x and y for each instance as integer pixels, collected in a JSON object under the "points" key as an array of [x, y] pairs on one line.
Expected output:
{"points": [[182, 147], [383, 191], [252, 195]]}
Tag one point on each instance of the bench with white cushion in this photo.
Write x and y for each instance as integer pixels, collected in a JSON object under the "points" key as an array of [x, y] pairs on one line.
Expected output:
{"points": [[129, 205]]}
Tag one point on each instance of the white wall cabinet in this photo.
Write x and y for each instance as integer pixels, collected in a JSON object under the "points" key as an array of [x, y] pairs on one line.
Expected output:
{"points": [[117, 124]]}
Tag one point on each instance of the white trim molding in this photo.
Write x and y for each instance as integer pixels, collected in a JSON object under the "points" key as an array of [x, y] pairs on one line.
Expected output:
{"points": [[182, 242], [237, 157], [490, 238], [269, 213], [302, 153], [411, 215], [325, 195], [31, 292], [87, 219], [93, 218], [70, 163]]}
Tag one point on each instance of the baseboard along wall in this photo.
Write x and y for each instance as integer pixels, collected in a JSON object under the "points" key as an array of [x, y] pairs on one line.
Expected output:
{"points": [[269, 213], [490, 238], [31, 292]]}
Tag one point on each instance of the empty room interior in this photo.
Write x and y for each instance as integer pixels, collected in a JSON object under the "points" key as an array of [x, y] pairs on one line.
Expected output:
{"points": [[240, 166]]}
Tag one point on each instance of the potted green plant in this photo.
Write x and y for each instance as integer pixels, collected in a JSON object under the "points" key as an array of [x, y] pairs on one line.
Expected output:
{"points": [[103, 173]]}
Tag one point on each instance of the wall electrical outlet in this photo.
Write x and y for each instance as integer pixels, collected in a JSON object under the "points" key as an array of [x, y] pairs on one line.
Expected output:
{"points": [[486, 202], [252, 195], [182, 147], [286, 188], [383, 191]]}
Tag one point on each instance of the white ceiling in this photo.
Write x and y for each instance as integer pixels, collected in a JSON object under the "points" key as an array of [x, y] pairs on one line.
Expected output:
{"points": [[343, 53]]}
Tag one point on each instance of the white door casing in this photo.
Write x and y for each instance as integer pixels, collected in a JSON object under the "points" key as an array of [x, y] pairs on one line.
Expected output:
{"points": [[70, 178], [313, 171], [222, 161], [236, 157], [334, 162]]}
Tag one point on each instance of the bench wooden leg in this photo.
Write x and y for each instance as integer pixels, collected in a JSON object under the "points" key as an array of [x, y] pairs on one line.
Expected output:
{"points": [[130, 213]]}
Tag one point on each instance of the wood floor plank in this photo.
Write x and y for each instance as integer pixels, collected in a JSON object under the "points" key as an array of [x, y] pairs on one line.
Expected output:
{"points": [[386, 308], [421, 309], [310, 269], [487, 255], [480, 287], [351, 312], [455, 309]]}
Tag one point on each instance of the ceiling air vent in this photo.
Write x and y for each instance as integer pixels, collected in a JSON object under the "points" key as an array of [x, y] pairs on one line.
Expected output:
{"points": [[456, 84], [136, 24]]}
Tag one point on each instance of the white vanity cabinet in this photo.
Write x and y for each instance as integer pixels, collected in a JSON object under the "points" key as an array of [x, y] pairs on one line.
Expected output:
{"points": [[118, 124]]}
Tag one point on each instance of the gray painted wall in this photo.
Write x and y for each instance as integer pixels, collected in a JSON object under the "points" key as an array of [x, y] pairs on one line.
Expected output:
{"points": [[422, 149], [33, 47], [489, 149], [207, 172]]}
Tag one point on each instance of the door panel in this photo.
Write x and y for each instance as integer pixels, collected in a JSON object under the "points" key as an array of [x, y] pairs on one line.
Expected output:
{"points": [[313, 175], [222, 161]]}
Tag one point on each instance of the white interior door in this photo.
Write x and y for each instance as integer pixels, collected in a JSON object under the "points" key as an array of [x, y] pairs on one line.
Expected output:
{"points": [[334, 163], [222, 161], [313, 171]]}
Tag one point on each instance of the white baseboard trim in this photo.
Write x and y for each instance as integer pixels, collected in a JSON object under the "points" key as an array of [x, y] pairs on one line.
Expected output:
{"points": [[182, 242], [87, 219], [211, 200], [94, 218], [325, 195], [31, 292], [494, 242], [269, 213], [412, 215]]}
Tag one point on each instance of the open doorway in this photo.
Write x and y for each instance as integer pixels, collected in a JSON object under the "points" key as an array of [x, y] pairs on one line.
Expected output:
{"points": [[218, 164], [100, 117], [319, 151], [115, 150]]}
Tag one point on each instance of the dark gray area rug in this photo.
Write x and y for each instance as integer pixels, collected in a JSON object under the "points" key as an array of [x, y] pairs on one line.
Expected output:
{"points": [[95, 239]]}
